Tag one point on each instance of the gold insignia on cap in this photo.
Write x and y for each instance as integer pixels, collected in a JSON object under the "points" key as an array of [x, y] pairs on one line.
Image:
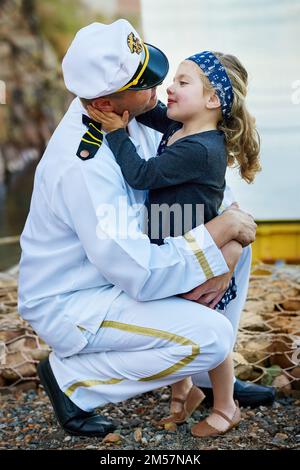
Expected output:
{"points": [[134, 44]]}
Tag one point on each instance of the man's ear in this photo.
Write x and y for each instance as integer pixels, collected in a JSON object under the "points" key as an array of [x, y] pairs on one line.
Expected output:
{"points": [[103, 104], [213, 101]]}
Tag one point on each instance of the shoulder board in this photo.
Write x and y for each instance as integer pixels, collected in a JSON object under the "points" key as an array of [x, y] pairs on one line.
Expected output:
{"points": [[91, 141]]}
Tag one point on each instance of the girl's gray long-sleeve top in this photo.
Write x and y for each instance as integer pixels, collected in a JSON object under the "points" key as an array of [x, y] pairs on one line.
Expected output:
{"points": [[190, 171]]}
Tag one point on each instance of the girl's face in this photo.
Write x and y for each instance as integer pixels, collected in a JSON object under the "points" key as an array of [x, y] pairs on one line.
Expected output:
{"points": [[186, 96]]}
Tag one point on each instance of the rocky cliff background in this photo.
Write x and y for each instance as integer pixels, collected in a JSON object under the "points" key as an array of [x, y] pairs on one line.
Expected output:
{"points": [[34, 92], [34, 36]]}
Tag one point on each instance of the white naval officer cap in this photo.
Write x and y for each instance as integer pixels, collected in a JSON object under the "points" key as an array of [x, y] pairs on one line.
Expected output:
{"points": [[107, 58]]}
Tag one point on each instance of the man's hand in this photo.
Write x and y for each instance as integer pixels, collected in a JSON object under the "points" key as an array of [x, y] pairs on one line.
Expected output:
{"points": [[110, 121], [245, 225], [210, 292], [232, 224]]}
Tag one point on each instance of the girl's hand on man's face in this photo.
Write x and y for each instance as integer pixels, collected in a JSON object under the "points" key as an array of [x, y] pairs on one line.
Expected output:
{"points": [[110, 121]]}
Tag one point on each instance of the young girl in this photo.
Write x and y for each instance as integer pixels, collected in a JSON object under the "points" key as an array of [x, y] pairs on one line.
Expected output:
{"points": [[206, 127]]}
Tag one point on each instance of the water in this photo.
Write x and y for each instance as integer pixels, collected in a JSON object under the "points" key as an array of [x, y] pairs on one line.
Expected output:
{"points": [[14, 206]]}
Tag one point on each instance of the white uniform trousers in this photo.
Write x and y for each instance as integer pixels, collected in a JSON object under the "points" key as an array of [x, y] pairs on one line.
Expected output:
{"points": [[235, 307], [142, 346]]}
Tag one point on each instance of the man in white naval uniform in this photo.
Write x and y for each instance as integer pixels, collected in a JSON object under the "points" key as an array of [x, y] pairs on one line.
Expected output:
{"points": [[91, 283]]}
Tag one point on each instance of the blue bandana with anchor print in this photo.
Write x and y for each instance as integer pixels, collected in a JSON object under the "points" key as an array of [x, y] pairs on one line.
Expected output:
{"points": [[217, 75]]}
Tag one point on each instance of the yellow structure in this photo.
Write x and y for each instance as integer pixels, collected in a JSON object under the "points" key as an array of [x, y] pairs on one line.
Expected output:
{"points": [[277, 240]]}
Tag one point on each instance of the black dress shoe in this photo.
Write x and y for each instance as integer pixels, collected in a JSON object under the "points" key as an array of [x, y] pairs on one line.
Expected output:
{"points": [[247, 394], [250, 394], [72, 419]]}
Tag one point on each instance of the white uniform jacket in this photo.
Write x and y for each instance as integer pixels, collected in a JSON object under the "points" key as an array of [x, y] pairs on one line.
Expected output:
{"points": [[76, 260]]}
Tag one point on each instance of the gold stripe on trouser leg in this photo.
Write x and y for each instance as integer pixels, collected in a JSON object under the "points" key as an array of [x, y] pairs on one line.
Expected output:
{"points": [[199, 255], [141, 330], [90, 383]]}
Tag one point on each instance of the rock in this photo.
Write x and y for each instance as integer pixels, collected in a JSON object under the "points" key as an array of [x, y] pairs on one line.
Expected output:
{"points": [[135, 422], [255, 292], [263, 408], [140, 410], [7, 335], [2, 382], [22, 344], [238, 359], [243, 370], [25, 386], [2, 353], [296, 374], [275, 297], [261, 273], [38, 354], [171, 427], [282, 383], [282, 346], [28, 123], [292, 292], [253, 322], [280, 437], [112, 438], [280, 284], [270, 373], [253, 349], [138, 435], [285, 323], [259, 306], [28, 438], [197, 415], [165, 397], [158, 438], [17, 366], [292, 305]]}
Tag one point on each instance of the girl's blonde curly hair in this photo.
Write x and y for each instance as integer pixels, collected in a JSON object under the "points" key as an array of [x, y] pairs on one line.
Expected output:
{"points": [[242, 138]]}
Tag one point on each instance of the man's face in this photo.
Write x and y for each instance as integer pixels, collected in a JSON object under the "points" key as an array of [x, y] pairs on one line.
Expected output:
{"points": [[136, 102]]}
